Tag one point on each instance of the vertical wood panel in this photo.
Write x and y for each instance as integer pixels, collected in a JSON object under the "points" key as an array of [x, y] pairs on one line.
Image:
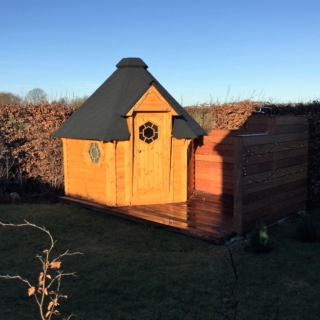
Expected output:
{"points": [[238, 189], [171, 183], [179, 168], [184, 177], [65, 165], [120, 172], [152, 101], [128, 150], [111, 196], [176, 151], [191, 169]]}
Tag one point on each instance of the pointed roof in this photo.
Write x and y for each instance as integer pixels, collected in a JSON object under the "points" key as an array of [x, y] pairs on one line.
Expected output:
{"points": [[103, 115]]}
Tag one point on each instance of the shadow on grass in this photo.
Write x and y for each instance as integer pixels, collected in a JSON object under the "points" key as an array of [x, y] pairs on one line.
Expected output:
{"points": [[30, 191]]}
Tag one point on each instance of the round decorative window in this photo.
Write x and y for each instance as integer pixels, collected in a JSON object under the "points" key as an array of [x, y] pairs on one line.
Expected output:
{"points": [[94, 152], [148, 132]]}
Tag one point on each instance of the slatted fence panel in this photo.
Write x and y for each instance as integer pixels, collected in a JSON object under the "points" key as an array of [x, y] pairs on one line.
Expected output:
{"points": [[214, 162], [270, 172]]}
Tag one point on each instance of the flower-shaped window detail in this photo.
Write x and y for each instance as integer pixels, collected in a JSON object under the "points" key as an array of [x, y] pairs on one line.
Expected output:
{"points": [[94, 152], [148, 132]]}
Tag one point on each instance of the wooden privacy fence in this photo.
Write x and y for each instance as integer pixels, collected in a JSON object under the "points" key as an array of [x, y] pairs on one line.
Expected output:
{"points": [[263, 167], [214, 162]]}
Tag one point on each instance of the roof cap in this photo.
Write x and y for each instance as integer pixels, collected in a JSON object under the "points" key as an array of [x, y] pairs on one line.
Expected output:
{"points": [[131, 63]]}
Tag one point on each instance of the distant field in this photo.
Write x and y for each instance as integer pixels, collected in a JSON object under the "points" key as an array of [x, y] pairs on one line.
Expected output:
{"points": [[130, 271]]}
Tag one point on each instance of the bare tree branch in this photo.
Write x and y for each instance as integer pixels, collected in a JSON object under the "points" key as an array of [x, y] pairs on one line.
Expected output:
{"points": [[45, 280]]}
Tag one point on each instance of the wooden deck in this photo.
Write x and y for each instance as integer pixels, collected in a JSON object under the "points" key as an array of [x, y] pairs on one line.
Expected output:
{"points": [[204, 215]]}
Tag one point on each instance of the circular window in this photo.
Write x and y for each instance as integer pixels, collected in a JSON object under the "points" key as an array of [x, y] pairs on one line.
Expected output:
{"points": [[148, 132], [94, 152]]}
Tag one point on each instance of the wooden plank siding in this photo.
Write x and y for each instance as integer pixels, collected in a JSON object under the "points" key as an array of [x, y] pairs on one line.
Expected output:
{"points": [[190, 169], [180, 169], [214, 162], [83, 179], [264, 168], [120, 172], [110, 166], [65, 166], [251, 140], [238, 188], [271, 172]]}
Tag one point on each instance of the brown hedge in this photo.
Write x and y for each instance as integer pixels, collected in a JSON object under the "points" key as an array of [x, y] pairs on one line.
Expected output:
{"points": [[25, 131], [229, 116], [25, 135]]}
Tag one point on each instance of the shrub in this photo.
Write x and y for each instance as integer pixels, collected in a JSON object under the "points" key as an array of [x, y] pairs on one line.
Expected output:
{"points": [[259, 240], [46, 298], [27, 150], [306, 230]]}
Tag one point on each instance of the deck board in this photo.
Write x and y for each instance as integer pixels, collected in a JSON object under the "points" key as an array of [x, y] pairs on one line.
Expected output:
{"points": [[205, 216]]}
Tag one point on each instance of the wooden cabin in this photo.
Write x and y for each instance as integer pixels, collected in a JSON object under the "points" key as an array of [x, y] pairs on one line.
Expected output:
{"points": [[131, 150], [128, 144]]}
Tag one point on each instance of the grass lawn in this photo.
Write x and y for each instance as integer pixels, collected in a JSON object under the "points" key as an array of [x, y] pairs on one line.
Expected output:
{"points": [[131, 271]]}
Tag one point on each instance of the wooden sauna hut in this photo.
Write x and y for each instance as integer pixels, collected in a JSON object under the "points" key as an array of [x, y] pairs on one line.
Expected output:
{"points": [[131, 150], [128, 143]]}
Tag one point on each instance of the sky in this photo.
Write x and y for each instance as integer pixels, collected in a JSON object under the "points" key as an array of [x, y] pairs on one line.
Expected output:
{"points": [[201, 51]]}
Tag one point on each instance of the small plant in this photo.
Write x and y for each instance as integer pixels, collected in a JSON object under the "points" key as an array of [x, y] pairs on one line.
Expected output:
{"points": [[259, 240], [306, 230], [46, 297]]}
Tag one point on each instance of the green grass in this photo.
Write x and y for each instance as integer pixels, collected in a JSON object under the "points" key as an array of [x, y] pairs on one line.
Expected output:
{"points": [[130, 271]]}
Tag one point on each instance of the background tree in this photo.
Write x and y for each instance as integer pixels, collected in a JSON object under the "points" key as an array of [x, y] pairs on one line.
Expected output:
{"points": [[78, 101], [8, 98], [36, 96], [74, 102]]}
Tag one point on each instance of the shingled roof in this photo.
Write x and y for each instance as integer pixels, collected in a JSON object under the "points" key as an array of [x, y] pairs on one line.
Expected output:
{"points": [[102, 116]]}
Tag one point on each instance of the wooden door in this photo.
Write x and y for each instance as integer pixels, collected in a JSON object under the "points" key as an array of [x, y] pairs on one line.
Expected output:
{"points": [[151, 157]]}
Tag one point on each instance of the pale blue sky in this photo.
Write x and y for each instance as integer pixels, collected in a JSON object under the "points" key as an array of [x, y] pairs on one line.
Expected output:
{"points": [[196, 49]]}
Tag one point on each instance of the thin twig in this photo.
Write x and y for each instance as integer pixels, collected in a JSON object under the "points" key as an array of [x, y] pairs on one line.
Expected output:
{"points": [[43, 286]]}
